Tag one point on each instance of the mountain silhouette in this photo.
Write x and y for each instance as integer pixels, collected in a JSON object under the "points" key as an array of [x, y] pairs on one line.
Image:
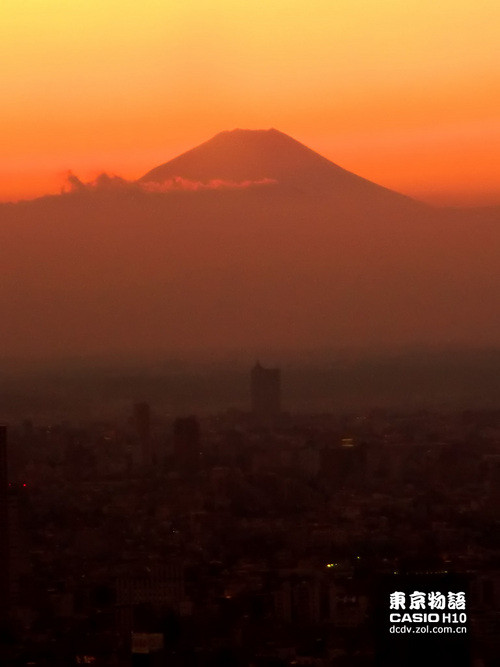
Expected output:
{"points": [[255, 155], [299, 254]]}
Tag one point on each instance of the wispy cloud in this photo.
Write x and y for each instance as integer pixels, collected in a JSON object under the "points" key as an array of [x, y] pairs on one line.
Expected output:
{"points": [[179, 183], [106, 183]]}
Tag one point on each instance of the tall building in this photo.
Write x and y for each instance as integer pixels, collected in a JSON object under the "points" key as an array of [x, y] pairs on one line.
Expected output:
{"points": [[158, 586], [142, 419], [265, 391], [4, 526], [187, 442]]}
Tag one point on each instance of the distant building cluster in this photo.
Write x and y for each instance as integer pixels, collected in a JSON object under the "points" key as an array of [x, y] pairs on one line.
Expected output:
{"points": [[266, 392], [256, 538]]}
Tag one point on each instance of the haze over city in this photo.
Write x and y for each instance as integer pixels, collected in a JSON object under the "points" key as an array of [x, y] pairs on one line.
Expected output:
{"points": [[249, 241], [218, 181]]}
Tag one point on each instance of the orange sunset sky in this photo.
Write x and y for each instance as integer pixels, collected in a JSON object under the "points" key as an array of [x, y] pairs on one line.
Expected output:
{"points": [[403, 92]]}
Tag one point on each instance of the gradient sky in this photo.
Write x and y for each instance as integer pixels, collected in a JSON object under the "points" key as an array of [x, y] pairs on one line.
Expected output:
{"points": [[406, 93]]}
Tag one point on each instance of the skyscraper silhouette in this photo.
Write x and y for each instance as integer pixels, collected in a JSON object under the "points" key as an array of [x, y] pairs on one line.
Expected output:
{"points": [[142, 419], [187, 442], [266, 391]]}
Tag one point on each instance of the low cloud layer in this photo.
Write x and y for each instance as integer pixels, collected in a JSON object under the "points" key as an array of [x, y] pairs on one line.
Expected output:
{"points": [[105, 183], [179, 183]]}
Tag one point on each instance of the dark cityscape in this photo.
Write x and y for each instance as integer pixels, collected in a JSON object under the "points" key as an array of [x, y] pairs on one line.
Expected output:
{"points": [[253, 537]]}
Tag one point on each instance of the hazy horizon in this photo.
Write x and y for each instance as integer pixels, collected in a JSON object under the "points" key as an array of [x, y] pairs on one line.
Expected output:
{"points": [[67, 178], [249, 240], [315, 233]]}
